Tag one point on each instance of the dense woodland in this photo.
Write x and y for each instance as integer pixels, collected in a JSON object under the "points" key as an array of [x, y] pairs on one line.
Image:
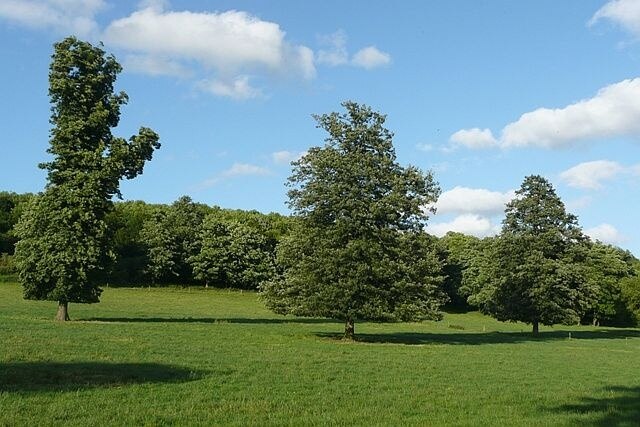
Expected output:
{"points": [[192, 244]]}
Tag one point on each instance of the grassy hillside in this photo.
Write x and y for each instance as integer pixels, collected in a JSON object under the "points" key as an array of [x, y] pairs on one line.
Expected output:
{"points": [[207, 357]]}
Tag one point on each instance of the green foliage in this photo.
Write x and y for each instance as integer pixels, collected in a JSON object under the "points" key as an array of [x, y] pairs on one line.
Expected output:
{"points": [[605, 268], [7, 265], [630, 290], [232, 254], [358, 212], [64, 234], [172, 238], [536, 276], [11, 207], [465, 261], [125, 223]]}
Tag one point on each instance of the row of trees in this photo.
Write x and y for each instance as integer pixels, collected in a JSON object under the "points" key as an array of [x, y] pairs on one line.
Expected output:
{"points": [[188, 243], [355, 248]]}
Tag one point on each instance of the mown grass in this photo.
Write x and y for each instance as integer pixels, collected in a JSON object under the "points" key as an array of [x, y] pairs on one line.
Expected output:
{"points": [[214, 357]]}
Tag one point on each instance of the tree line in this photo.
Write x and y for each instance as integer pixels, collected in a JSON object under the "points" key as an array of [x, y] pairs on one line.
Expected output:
{"points": [[193, 244], [356, 246]]}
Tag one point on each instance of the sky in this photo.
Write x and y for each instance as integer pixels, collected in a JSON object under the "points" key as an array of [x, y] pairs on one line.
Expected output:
{"points": [[482, 93]]}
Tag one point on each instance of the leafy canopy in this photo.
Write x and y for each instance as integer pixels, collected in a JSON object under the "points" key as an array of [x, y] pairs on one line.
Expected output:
{"points": [[358, 250], [536, 275], [64, 238]]}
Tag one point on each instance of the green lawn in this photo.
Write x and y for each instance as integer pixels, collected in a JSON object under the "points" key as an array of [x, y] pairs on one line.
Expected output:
{"points": [[212, 357]]}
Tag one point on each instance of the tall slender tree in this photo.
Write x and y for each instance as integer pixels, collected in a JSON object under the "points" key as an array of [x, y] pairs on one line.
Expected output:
{"points": [[64, 238], [358, 251]]}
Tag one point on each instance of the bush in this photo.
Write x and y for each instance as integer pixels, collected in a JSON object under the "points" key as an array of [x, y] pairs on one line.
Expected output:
{"points": [[7, 265], [630, 287]]}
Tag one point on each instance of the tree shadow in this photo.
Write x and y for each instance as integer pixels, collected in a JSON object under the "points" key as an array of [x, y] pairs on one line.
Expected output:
{"points": [[466, 338], [620, 408], [72, 376], [241, 320]]}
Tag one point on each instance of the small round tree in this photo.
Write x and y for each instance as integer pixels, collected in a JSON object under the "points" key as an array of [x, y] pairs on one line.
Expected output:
{"points": [[358, 251], [64, 238]]}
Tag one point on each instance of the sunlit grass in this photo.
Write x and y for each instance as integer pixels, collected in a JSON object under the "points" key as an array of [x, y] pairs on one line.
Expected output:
{"points": [[211, 357]]}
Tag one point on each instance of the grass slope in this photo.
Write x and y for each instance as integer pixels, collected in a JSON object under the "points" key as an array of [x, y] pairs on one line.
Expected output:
{"points": [[211, 357]]}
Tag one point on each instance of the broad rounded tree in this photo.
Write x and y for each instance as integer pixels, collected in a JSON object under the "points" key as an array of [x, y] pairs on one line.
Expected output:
{"points": [[64, 238], [358, 250]]}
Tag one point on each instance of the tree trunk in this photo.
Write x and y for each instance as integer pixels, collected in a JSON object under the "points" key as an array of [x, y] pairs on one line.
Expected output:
{"points": [[63, 311], [349, 329], [535, 327]]}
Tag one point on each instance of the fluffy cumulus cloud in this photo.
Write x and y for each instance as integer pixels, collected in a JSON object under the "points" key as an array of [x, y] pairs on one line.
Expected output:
{"points": [[613, 112], [238, 88], [625, 13], [62, 16], [605, 233], [463, 200], [371, 57], [231, 43], [590, 175], [474, 211], [334, 53], [474, 138], [221, 52], [472, 224]]}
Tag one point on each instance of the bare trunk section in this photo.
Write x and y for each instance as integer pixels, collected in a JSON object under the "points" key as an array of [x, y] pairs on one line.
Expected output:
{"points": [[349, 329], [535, 328], [63, 311]]}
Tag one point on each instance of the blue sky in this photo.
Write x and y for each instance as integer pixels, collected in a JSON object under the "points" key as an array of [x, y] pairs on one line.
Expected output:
{"points": [[481, 92]]}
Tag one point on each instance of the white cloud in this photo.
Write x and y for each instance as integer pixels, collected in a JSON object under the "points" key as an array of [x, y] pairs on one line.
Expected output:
{"points": [[285, 157], [62, 16], [236, 170], [473, 200], [230, 45], [425, 147], [238, 88], [155, 66], [371, 57], [472, 224], [240, 169], [474, 138], [335, 52], [606, 233], [589, 175], [625, 13], [613, 112]]}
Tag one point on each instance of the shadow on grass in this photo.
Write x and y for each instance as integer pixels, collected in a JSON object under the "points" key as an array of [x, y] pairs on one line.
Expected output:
{"points": [[208, 320], [71, 376], [464, 338], [620, 408]]}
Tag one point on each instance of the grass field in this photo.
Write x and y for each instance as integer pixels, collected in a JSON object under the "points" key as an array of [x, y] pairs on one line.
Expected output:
{"points": [[212, 357]]}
